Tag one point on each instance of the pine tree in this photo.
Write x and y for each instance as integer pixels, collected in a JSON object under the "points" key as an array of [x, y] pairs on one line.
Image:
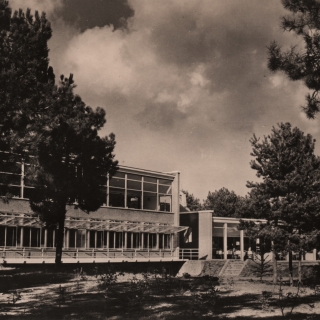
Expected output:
{"points": [[25, 76], [48, 126], [301, 64], [288, 196]]}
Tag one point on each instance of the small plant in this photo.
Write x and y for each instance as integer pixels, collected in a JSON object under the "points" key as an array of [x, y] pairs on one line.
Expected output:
{"points": [[61, 296], [14, 296], [288, 300], [205, 301], [265, 300], [262, 266], [186, 275], [139, 289], [230, 282], [80, 276], [109, 278]]}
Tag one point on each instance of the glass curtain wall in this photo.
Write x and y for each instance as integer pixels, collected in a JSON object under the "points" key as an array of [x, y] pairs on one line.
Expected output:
{"points": [[140, 192], [123, 190]]}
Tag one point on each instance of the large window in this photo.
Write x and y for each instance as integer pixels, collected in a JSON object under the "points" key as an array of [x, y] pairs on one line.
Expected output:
{"points": [[140, 192], [123, 190]]}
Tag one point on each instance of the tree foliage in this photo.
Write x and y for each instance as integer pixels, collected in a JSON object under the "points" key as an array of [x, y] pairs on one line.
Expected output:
{"points": [[301, 64], [193, 203], [288, 196], [25, 76], [227, 203], [48, 125]]}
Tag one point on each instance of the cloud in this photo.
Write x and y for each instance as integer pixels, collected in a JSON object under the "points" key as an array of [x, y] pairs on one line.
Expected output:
{"points": [[183, 80], [47, 6], [86, 14]]}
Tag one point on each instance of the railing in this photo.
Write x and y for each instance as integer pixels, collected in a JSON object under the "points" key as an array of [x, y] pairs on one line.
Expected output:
{"points": [[83, 254], [189, 254]]}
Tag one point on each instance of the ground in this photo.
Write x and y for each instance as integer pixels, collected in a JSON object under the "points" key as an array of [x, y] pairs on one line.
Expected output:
{"points": [[104, 294]]}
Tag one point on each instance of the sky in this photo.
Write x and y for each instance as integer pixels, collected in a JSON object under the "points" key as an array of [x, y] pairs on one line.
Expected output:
{"points": [[184, 83]]}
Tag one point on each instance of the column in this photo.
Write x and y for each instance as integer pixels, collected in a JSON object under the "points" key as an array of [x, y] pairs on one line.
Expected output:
{"points": [[132, 245], [87, 239], [95, 239], [67, 237], [157, 245], [142, 240], [108, 241], [22, 181], [205, 234], [125, 192], [225, 241], [241, 244], [314, 254], [125, 240], [45, 238], [21, 237], [5, 235]]}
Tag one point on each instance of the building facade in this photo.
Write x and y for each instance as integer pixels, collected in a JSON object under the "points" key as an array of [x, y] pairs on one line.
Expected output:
{"points": [[219, 238], [139, 219]]}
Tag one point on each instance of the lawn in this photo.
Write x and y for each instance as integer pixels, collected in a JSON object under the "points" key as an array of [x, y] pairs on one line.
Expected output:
{"points": [[105, 294]]}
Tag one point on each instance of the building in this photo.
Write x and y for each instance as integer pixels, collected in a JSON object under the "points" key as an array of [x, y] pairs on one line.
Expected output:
{"points": [[139, 220], [144, 218], [210, 237]]}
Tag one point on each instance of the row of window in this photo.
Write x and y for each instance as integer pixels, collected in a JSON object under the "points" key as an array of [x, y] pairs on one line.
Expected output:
{"points": [[123, 190], [82, 239]]}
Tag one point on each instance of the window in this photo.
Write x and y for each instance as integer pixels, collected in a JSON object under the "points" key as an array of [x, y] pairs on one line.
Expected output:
{"points": [[165, 203], [116, 197], [134, 199]]}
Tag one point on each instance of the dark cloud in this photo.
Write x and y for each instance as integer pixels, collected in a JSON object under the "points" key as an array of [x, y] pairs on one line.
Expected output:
{"points": [[95, 13], [159, 116]]}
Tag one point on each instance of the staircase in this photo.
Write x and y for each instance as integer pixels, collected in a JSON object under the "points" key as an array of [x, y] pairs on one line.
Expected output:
{"points": [[232, 268]]}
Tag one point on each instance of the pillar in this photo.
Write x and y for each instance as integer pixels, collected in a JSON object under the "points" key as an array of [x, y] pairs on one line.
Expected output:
{"points": [[225, 241], [157, 245], [21, 237], [22, 181], [108, 241], [241, 244], [5, 235], [45, 238], [67, 237], [125, 245], [205, 234]]}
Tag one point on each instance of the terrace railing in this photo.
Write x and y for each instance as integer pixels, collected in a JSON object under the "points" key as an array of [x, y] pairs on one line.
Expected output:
{"points": [[87, 254], [189, 254]]}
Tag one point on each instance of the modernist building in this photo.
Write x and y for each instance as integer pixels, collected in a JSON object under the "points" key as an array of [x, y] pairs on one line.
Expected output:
{"points": [[219, 238], [144, 218], [139, 220]]}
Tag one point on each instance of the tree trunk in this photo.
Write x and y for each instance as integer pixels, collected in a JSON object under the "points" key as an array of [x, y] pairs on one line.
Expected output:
{"points": [[274, 264], [60, 233], [290, 269], [299, 267]]}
